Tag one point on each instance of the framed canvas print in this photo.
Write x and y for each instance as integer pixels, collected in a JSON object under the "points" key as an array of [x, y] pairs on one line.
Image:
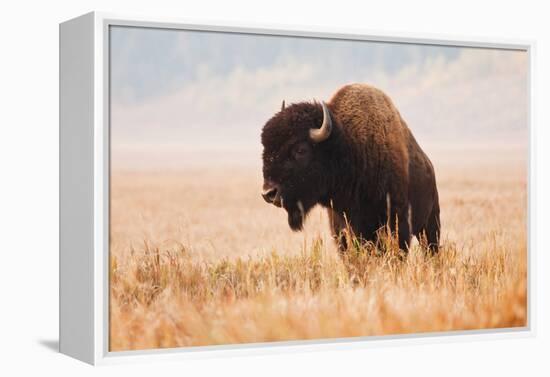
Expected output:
{"points": [[228, 189]]}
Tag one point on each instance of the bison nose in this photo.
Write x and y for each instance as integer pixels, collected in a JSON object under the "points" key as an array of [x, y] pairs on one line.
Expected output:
{"points": [[271, 194]]}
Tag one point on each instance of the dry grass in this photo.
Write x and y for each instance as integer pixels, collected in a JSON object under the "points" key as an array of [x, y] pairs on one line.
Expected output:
{"points": [[198, 259]]}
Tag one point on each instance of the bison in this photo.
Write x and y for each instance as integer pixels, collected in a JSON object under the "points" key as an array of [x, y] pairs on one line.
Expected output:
{"points": [[355, 156]]}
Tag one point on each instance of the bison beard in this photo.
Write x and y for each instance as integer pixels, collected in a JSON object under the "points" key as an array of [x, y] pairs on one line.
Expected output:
{"points": [[296, 216], [349, 156]]}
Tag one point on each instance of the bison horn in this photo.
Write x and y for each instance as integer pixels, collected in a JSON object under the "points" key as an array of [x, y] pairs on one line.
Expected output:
{"points": [[283, 105], [318, 135]]}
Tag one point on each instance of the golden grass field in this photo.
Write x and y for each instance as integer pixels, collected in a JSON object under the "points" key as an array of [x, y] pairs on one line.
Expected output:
{"points": [[198, 258]]}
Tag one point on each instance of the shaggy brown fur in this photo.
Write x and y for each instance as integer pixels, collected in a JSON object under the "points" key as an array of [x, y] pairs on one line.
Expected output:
{"points": [[368, 168]]}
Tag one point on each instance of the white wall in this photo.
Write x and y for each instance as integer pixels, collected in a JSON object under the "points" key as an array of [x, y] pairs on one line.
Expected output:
{"points": [[29, 186]]}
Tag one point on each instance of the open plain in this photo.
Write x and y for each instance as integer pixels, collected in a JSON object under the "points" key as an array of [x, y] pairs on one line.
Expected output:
{"points": [[198, 258]]}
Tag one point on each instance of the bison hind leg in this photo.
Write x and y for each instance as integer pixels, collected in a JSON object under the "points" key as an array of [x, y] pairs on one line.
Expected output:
{"points": [[429, 235]]}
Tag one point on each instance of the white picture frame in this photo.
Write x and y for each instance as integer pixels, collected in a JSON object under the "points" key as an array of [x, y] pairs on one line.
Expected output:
{"points": [[84, 190]]}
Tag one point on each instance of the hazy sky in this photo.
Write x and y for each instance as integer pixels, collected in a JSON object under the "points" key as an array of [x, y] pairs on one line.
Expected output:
{"points": [[186, 89]]}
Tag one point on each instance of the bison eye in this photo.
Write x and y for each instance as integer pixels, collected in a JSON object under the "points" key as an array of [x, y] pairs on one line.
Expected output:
{"points": [[301, 152]]}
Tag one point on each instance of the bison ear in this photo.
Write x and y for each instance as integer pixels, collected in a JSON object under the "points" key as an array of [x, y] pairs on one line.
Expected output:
{"points": [[283, 105]]}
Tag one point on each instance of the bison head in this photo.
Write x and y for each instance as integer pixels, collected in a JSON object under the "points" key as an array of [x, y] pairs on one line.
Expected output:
{"points": [[296, 156]]}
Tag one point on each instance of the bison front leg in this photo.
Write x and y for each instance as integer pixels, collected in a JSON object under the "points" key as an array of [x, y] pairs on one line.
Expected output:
{"points": [[338, 228]]}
